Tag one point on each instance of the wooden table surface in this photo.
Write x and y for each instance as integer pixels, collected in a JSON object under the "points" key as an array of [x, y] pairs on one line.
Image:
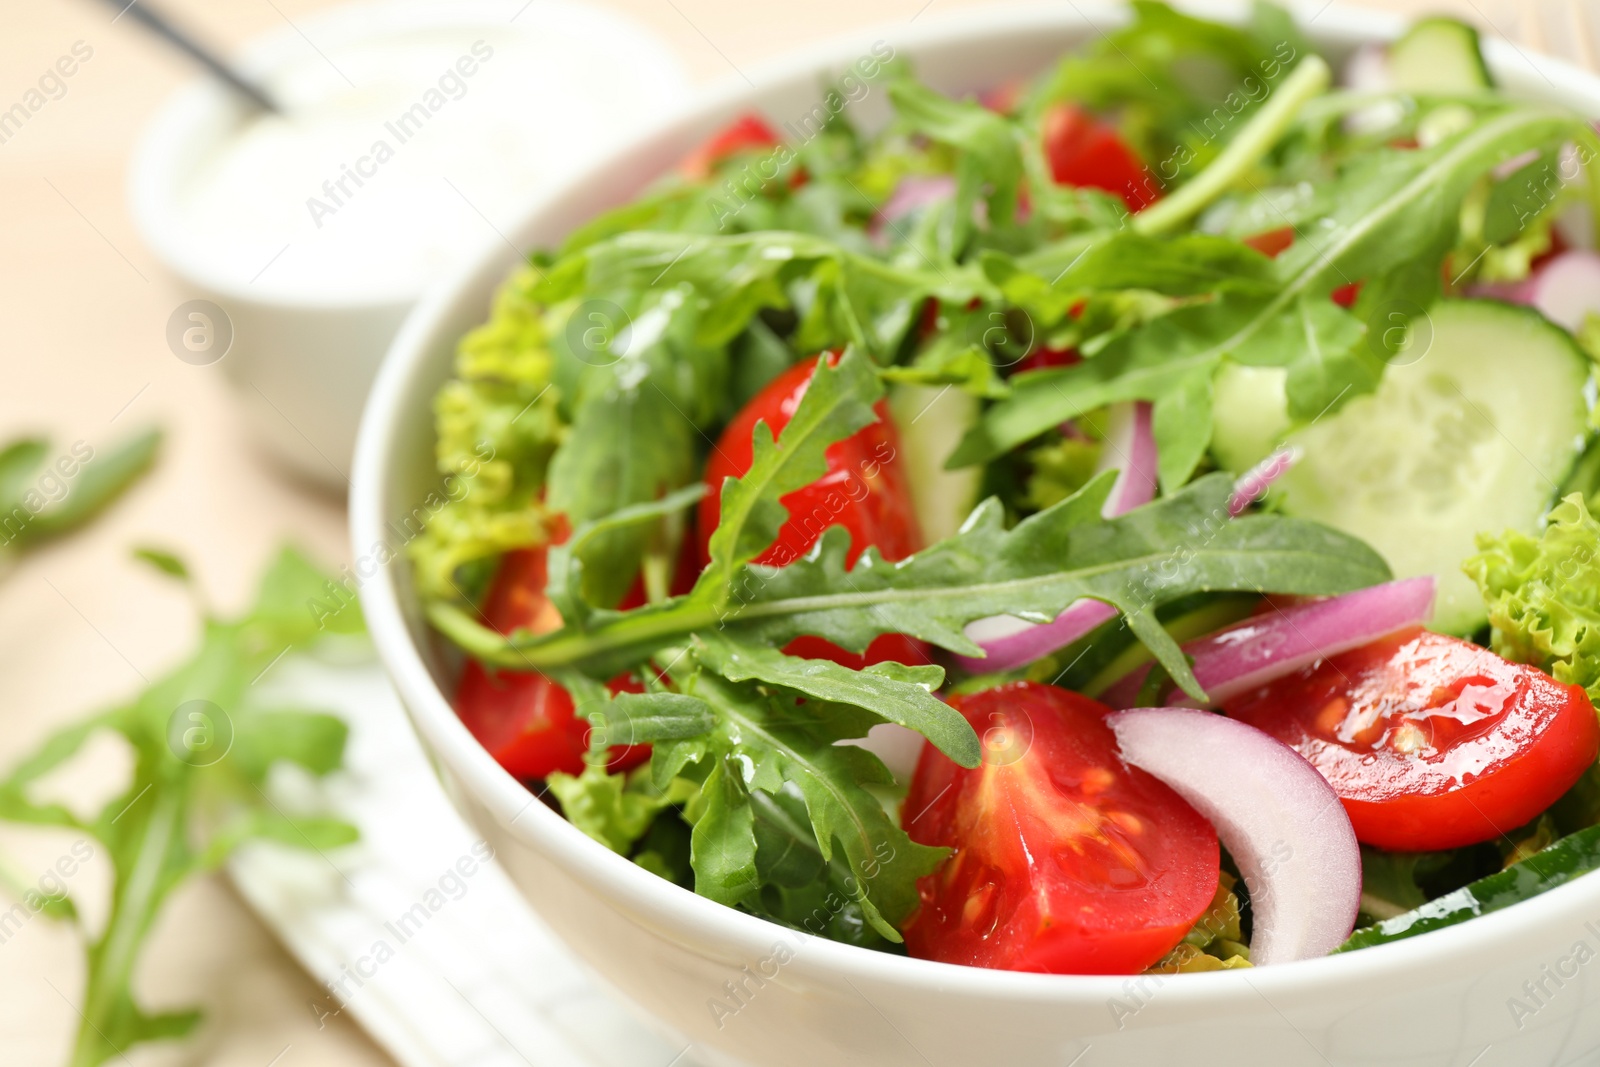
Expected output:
{"points": [[85, 306]]}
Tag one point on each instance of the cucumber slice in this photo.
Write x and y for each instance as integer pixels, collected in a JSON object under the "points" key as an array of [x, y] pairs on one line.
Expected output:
{"points": [[1474, 436], [931, 420], [1571, 857], [1438, 55], [1250, 415]]}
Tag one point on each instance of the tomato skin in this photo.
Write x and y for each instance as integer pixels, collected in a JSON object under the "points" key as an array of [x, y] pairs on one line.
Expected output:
{"points": [[747, 132], [525, 720], [1044, 358], [865, 490], [1087, 154], [1346, 295], [1272, 243], [1431, 742], [1066, 860]]}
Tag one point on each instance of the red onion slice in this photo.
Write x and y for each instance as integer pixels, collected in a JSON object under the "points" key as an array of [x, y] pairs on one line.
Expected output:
{"points": [[914, 192], [1259, 649], [1278, 818], [1130, 450], [1565, 290], [1254, 483]]}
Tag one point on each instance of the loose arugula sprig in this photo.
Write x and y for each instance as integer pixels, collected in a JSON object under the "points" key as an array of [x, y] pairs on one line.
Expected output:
{"points": [[44, 496], [203, 747]]}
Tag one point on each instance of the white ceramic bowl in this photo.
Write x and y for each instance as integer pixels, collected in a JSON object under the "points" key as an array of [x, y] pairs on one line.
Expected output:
{"points": [[1432, 1001], [304, 354]]}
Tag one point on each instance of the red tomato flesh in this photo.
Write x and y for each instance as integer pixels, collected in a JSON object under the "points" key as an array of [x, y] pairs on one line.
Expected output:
{"points": [[1066, 859], [1275, 242], [1087, 154], [865, 490], [1431, 742], [1043, 358], [525, 720], [1272, 243], [745, 133]]}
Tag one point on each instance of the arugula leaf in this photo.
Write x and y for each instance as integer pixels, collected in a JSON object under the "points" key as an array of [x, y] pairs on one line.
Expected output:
{"points": [[567, 562], [640, 718], [799, 888], [28, 517], [855, 299], [989, 157], [1193, 264], [891, 691], [768, 742], [1399, 199], [202, 751], [1178, 545], [1182, 84], [838, 402]]}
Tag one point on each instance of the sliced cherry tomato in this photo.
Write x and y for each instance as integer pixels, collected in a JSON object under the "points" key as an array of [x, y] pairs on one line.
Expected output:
{"points": [[1346, 295], [1087, 154], [1272, 242], [1275, 242], [865, 490], [1431, 742], [1558, 245], [525, 720], [1066, 859], [743, 134], [1005, 97], [1040, 358]]}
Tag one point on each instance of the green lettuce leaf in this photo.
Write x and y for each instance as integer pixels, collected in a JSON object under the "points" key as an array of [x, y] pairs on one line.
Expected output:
{"points": [[1543, 594]]}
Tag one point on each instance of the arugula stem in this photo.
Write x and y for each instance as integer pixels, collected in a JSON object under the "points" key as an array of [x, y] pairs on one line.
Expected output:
{"points": [[1263, 130], [133, 908]]}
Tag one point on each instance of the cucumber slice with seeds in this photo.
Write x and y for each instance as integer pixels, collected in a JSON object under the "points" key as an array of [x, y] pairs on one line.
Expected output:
{"points": [[1439, 55], [1475, 435]]}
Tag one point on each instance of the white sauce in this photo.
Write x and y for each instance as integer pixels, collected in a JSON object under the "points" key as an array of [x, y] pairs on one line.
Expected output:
{"points": [[397, 156]]}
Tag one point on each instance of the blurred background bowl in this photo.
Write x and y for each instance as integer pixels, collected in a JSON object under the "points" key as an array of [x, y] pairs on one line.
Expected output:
{"points": [[300, 333]]}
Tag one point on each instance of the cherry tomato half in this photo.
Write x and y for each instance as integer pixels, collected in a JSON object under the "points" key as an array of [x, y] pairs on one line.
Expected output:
{"points": [[866, 491], [525, 720], [1274, 243], [1087, 154], [744, 134], [1430, 741], [1066, 859]]}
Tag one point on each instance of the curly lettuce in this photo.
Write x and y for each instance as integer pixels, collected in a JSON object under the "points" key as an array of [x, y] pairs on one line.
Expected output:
{"points": [[1543, 594], [498, 424]]}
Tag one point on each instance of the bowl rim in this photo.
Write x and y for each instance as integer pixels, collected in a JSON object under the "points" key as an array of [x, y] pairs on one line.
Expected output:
{"points": [[655, 902], [159, 166]]}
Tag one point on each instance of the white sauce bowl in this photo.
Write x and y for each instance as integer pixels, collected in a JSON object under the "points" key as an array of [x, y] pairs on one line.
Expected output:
{"points": [[416, 130]]}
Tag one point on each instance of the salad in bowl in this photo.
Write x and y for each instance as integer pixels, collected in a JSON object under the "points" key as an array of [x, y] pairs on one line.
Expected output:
{"points": [[1133, 520]]}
